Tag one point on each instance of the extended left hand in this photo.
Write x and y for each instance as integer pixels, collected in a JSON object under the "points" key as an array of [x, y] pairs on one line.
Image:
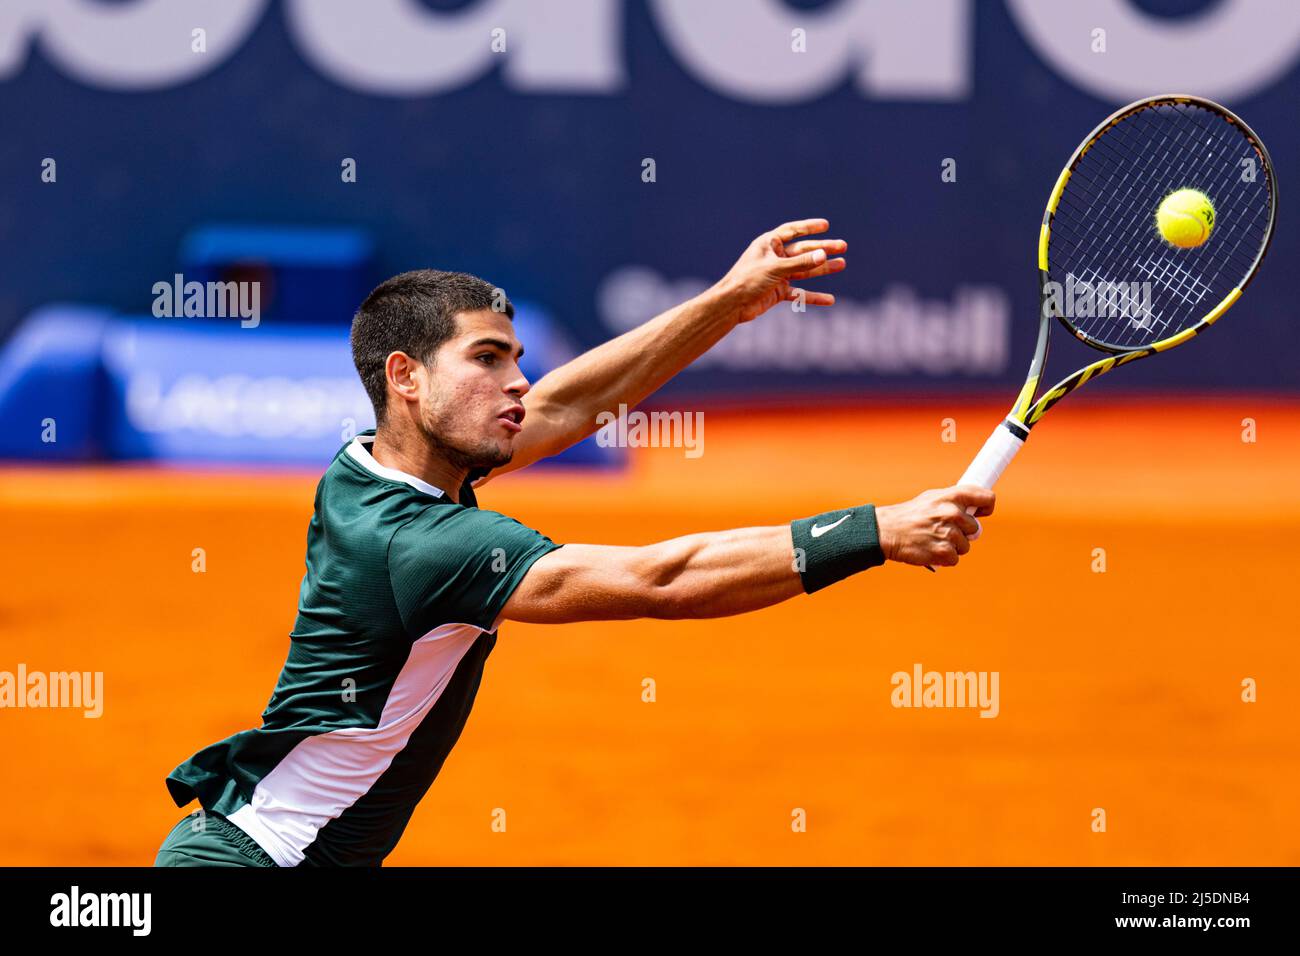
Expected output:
{"points": [[762, 275]]}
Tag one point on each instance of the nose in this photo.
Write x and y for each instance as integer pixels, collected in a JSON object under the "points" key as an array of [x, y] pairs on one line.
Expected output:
{"points": [[519, 386]]}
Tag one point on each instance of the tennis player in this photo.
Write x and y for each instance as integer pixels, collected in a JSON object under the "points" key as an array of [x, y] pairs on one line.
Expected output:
{"points": [[408, 579]]}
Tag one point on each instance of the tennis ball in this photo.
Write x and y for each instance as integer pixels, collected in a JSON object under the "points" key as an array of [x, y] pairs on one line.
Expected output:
{"points": [[1185, 218]]}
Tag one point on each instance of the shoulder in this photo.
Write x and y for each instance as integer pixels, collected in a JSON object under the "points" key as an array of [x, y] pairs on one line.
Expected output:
{"points": [[455, 527], [458, 563]]}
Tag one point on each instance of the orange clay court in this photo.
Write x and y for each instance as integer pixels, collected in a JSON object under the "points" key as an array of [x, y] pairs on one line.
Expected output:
{"points": [[1119, 690]]}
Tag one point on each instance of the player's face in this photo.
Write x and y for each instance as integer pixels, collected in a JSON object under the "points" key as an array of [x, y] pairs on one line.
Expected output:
{"points": [[472, 404]]}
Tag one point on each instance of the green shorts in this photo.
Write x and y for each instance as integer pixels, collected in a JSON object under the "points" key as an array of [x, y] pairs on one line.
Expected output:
{"points": [[210, 840]]}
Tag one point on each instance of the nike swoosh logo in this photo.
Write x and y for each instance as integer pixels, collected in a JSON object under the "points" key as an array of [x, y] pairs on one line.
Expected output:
{"points": [[818, 530]]}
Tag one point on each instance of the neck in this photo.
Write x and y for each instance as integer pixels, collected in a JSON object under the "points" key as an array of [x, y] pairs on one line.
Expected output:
{"points": [[399, 449]]}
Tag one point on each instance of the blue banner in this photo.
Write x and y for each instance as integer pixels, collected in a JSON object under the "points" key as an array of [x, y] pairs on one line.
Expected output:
{"points": [[78, 383], [606, 158]]}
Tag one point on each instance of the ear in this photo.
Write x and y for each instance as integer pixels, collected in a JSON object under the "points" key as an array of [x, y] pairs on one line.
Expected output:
{"points": [[402, 373]]}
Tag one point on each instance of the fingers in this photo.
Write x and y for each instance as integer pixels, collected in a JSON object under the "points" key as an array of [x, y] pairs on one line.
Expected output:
{"points": [[811, 258], [982, 499], [808, 262], [956, 528], [952, 548], [811, 298], [829, 246], [946, 556], [955, 524], [808, 266], [826, 268], [966, 522], [800, 227]]}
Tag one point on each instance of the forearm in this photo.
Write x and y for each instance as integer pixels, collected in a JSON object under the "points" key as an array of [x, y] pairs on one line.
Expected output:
{"points": [[721, 573], [697, 576], [627, 369], [566, 405], [731, 572]]}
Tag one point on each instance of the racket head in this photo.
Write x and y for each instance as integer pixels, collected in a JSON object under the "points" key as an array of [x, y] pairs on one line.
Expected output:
{"points": [[1106, 272]]}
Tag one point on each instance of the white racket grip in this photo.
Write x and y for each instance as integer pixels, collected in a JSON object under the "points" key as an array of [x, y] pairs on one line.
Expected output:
{"points": [[992, 460]]}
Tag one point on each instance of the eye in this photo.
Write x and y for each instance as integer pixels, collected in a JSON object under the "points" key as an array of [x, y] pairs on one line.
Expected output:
{"points": [[490, 357]]}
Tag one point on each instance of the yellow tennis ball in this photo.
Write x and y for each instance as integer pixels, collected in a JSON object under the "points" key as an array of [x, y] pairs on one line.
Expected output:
{"points": [[1185, 218]]}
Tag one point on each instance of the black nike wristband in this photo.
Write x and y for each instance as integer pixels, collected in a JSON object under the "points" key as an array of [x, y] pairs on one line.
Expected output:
{"points": [[834, 545]]}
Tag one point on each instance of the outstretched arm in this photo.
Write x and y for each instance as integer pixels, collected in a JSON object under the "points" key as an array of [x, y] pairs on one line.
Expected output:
{"points": [[562, 407], [722, 573]]}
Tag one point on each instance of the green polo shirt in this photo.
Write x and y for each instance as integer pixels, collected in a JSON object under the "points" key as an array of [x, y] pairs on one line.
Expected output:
{"points": [[397, 614]]}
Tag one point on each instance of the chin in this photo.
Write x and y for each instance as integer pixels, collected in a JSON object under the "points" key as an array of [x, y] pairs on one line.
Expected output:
{"points": [[495, 458]]}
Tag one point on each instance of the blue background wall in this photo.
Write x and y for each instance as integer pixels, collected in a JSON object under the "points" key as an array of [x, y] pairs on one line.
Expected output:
{"points": [[541, 192]]}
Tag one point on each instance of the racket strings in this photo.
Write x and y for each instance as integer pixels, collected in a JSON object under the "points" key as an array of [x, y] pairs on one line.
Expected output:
{"points": [[1137, 214], [1115, 196], [1156, 265], [1119, 205], [1132, 172], [1140, 222], [1136, 288], [1207, 168]]}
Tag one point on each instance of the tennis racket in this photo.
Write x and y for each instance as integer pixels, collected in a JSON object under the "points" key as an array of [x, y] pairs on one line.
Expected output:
{"points": [[1105, 271]]}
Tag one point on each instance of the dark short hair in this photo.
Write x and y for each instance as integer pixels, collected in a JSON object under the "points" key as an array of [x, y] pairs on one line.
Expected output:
{"points": [[415, 313]]}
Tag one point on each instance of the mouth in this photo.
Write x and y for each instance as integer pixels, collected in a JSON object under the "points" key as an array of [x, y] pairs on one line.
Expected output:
{"points": [[512, 418]]}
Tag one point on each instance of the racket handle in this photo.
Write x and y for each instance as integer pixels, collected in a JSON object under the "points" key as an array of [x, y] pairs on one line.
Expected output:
{"points": [[993, 458], [989, 464]]}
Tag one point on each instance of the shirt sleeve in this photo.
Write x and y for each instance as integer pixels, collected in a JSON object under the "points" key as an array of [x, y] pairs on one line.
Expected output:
{"points": [[460, 565]]}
